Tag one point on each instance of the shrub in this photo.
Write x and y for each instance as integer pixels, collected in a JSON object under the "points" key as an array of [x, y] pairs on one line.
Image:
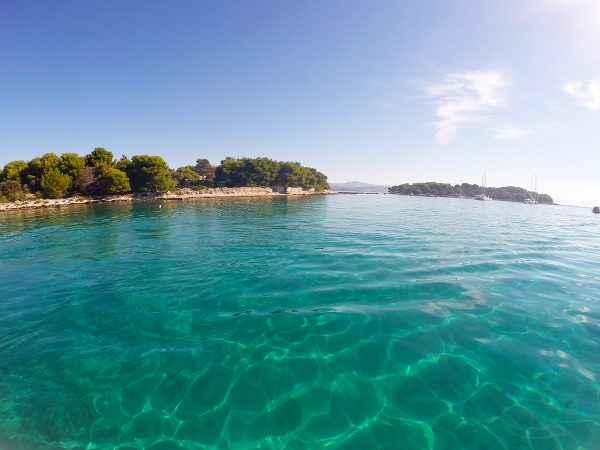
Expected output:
{"points": [[12, 191]]}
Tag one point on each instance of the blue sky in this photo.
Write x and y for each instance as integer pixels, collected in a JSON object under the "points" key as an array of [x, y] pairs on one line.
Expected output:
{"points": [[379, 91]]}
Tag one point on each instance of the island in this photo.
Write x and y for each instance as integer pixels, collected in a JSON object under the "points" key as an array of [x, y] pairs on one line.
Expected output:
{"points": [[466, 190], [53, 180]]}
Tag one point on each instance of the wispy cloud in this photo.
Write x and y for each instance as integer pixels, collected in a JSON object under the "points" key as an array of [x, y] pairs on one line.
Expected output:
{"points": [[461, 99], [509, 133], [587, 93]]}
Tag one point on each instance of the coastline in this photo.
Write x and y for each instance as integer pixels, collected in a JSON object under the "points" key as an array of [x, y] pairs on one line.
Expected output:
{"points": [[182, 194]]}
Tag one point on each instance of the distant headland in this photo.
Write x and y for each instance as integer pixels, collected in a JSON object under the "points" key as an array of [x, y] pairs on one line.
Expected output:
{"points": [[52, 180], [506, 193]]}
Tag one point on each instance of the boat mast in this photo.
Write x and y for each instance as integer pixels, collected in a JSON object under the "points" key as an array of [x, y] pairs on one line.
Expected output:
{"points": [[483, 179]]}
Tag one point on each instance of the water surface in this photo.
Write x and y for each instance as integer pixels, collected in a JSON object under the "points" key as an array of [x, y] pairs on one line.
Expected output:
{"points": [[347, 322]]}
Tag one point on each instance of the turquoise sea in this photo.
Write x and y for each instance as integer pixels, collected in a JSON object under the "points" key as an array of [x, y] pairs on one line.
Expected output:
{"points": [[351, 322]]}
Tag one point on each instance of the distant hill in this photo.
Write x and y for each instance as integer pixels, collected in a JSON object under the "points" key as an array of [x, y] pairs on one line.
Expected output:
{"points": [[357, 186]]}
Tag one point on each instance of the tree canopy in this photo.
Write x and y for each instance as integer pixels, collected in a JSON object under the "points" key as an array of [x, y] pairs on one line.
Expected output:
{"points": [[112, 180], [13, 171], [266, 172], [187, 176], [99, 156], [206, 170], [72, 164], [98, 173], [150, 174], [55, 184]]}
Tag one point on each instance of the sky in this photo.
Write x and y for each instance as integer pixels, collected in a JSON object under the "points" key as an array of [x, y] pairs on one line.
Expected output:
{"points": [[386, 92]]}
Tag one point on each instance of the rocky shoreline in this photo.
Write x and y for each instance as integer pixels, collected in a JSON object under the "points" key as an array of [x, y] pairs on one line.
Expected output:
{"points": [[182, 194]]}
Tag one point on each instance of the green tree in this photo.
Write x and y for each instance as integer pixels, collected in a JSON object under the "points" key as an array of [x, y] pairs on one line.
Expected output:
{"points": [[206, 170], [37, 167], [151, 174], [55, 184], [124, 164], [187, 176], [99, 156], [230, 173], [13, 171], [72, 164], [261, 171], [112, 181], [265, 172], [290, 175]]}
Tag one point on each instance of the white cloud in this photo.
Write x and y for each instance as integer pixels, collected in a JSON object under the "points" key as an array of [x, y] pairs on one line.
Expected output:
{"points": [[587, 93], [461, 98], [510, 133]]}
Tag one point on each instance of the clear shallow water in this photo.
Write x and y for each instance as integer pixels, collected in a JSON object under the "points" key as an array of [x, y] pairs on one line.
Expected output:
{"points": [[348, 321]]}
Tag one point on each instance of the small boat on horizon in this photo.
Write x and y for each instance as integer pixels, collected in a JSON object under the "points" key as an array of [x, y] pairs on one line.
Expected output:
{"points": [[533, 192], [482, 197], [596, 210]]}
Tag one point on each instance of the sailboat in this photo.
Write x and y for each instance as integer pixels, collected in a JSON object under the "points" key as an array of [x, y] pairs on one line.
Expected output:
{"points": [[482, 196], [533, 199]]}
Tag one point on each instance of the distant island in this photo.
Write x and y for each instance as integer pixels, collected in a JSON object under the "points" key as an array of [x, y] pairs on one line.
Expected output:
{"points": [[358, 187], [506, 193], [99, 174]]}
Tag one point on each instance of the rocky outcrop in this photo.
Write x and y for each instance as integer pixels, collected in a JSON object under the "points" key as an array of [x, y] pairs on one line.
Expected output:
{"points": [[46, 203], [181, 194]]}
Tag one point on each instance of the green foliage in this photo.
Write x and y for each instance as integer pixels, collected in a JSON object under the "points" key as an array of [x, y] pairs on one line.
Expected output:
{"points": [[293, 174], [151, 174], [97, 173], [72, 164], [261, 171], [124, 164], [187, 176], [12, 190], [112, 181], [266, 172], [55, 184], [506, 193], [14, 171], [37, 167], [206, 170], [289, 174], [231, 173], [99, 156]]}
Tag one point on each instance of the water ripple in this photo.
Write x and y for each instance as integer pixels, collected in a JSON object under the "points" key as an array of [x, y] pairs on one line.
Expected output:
{"points": [[346, 322]]}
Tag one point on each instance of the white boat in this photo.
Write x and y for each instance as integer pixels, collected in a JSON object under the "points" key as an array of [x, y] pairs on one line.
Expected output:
{"points": [[482, 197], [534, 193]]}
